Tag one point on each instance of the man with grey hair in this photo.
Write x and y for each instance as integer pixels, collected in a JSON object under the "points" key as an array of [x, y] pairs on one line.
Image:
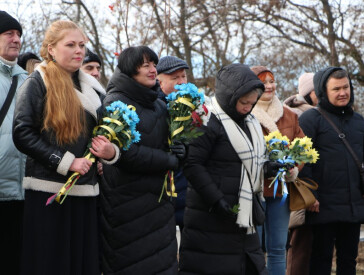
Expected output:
{"points": [[12, 162]]}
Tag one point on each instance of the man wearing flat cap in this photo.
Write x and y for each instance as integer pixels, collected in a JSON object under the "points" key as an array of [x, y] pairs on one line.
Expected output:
{"points": [[12, 162], [92, 64], [172, 71]]}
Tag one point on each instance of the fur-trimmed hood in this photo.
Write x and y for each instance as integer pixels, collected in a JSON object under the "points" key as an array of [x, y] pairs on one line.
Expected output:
{"points": [[268, 118], [297, 104]]}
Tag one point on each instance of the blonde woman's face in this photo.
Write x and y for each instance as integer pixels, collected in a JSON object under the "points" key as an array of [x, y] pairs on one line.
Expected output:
{"points": [[69, 51]]}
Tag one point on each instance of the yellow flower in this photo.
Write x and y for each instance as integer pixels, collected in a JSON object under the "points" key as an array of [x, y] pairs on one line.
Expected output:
{"points": [[275, 135], [314, 154]]}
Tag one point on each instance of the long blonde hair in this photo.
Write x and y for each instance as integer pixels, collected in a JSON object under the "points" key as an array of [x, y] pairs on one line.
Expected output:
{"points": [[63, 110]]}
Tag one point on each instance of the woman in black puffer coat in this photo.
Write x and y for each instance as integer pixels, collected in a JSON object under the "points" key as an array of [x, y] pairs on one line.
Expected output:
{"points": [[138, 232], [214, 238]]}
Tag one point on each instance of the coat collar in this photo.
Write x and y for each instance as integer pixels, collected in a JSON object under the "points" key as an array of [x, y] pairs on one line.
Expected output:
{"points": [[121, 83], [90, 100], [269, 118]]}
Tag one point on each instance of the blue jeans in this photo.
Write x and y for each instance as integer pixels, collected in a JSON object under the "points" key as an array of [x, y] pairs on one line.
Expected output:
{"points": [[276, 230]]}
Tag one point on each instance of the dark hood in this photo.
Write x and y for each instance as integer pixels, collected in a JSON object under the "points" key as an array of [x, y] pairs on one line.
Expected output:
{"points": [[126, 85], [232, 82], [319, 80]]}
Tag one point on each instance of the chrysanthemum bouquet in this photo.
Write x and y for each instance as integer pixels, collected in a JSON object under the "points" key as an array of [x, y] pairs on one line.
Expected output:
{"points": [[119, 126], [187, 112], [290, 154]]}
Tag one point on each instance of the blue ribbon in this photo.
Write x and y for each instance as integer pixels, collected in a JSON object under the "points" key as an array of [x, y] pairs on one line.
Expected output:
{"points": [[280, 177]]}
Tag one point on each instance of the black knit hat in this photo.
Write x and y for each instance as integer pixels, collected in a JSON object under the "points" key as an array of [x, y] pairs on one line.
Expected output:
{"points": [[170, 64], [7, 22], [23, 59], [91, 57]]}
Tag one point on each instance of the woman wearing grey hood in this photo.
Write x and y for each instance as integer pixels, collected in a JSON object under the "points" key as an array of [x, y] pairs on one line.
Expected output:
{"points": [[224, 168]]}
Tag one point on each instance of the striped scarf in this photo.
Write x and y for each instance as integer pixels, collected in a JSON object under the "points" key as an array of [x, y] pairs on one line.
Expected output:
{"points": [[252, 158]]}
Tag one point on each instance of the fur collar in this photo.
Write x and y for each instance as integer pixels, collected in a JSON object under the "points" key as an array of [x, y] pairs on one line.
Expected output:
{"points": [[269, 118], [90, 100]]}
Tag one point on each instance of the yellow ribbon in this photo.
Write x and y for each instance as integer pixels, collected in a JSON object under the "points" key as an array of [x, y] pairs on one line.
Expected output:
{"points": [[111, 135], [106, 119], [182, 118], [186, 101], [176, 132], [131, 107], [171, 193], [64, 191]]}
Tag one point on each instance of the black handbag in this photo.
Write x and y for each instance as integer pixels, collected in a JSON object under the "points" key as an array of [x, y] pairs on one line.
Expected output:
{"points": [[258, 210]]}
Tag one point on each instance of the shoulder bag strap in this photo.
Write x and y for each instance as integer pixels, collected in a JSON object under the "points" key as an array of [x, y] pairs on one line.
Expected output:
{"points": [[9, 99], [342, 137]]}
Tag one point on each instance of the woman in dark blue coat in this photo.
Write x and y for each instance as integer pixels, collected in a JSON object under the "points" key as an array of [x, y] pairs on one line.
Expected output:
{"points": [[138, 231]]}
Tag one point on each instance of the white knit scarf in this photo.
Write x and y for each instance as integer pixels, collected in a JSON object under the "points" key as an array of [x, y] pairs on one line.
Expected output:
{"points": [[252, 158]]}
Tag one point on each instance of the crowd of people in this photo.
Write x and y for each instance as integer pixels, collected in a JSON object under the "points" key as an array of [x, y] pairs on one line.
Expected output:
{"points": [[115, 220]]}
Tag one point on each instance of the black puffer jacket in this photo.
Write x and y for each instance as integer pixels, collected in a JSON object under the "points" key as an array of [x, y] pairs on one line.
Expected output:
{"points": [[138, 232], [213, 244], [336, 172], [44, 154]]}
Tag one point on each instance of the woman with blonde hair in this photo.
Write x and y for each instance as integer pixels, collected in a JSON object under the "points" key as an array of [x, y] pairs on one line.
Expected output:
{"points": [[56, 110]]}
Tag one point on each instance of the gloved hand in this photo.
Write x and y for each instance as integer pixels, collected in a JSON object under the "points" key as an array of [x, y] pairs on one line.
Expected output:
{"points": [[223, 208], [271, 168], [179, 149], [172, 162], [292, 174]]}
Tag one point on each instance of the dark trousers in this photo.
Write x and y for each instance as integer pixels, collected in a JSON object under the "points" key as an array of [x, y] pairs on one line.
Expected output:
{"points": [[345, 238], [11, 217]]}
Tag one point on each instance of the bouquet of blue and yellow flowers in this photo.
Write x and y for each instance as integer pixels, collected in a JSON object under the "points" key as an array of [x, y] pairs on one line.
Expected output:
{"points": [[118, 126], [290, 154], [187, 112]]}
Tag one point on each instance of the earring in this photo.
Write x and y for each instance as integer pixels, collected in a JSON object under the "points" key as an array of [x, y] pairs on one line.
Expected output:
{"points": [[54, 60]]}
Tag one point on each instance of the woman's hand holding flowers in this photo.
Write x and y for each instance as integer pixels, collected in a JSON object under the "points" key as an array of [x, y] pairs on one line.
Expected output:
{"points": [[292, 174], [80, 165], [102, 148]]}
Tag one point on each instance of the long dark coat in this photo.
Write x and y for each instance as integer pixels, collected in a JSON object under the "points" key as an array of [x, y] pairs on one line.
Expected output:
{"points": [[138, 232], [213, 244]]}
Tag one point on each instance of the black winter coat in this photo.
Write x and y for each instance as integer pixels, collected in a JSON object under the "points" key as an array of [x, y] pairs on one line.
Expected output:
{"points": [[44, 154], [335, 172], [138, 232], [211, 243]]}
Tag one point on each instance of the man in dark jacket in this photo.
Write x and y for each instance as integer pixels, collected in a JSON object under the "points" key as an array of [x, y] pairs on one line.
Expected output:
{"points": [[172, 71], [337, 215]]}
